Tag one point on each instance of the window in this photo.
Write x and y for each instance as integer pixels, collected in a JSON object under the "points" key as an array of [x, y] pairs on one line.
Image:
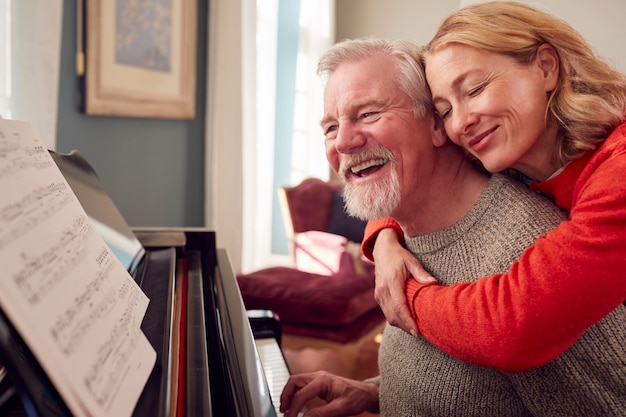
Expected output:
{"points": [[30, 55], [286, 145]]}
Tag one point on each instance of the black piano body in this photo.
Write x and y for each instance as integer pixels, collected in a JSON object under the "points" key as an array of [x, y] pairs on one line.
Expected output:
{"points": [[224, 374], [208, 358]]}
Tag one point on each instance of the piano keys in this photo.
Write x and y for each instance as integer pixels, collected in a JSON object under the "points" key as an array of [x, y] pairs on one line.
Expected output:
{"points": [[276, 370], [209, 362]]}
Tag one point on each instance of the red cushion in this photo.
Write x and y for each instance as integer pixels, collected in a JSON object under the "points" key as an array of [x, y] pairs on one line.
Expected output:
{"points": [[339, 334], [299, 297]]}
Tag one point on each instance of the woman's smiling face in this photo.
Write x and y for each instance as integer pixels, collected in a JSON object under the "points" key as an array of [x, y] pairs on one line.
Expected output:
{"points": [[495, 107]]}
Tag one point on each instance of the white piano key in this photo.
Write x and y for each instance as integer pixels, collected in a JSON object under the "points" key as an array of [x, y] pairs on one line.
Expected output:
{"points": [[275, 368]]}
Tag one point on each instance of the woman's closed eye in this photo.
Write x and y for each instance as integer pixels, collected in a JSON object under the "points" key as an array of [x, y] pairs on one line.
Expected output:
{"points": [[475, 91], [443, 113]]}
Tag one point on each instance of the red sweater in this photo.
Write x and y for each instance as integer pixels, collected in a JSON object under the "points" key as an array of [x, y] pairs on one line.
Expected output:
{"points": [[566, 282]]}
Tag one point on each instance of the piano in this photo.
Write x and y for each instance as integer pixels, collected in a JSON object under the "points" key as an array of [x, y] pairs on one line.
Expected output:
{"points": [[214, 358]]}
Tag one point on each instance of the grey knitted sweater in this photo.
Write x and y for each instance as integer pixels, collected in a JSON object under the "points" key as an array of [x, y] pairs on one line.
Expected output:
{"points": [[417, 379]]}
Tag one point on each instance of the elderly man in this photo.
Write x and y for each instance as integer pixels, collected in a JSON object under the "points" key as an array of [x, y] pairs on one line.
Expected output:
{"points": [[384, 142]]}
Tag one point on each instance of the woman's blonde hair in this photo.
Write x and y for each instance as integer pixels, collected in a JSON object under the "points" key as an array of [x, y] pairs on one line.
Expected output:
{"points": [[590, 98]]}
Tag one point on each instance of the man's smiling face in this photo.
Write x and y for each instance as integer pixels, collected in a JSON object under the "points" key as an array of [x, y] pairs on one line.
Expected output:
{"points": [[373, 141]]}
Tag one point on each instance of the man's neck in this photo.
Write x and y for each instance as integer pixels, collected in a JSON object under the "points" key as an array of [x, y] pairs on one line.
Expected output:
{"points": [[448, 197]]}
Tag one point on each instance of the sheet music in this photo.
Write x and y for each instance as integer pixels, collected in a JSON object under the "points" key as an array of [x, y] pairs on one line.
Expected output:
{"points": [[72, 301]]}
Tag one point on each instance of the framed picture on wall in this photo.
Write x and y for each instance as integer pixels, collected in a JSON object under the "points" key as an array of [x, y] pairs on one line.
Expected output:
{"points": [[140, 58]]}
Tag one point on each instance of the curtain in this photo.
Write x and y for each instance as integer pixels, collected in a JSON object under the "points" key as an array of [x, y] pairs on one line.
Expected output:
{"points": [[239, 142], [307, 157], [317, 34], [30, 53]]}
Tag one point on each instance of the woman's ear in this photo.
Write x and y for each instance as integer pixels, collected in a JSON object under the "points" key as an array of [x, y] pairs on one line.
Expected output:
{"points": [[548, 62]]}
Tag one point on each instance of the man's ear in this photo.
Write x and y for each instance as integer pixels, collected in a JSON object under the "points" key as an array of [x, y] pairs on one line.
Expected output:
{"points": [[439, 134], [547, 60]]}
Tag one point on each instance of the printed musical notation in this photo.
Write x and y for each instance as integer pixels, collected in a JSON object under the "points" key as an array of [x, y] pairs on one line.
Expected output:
{"points": [[14, 162], [32, 209], [104, 375], [66, 293], [41, 272], [95, 300]]}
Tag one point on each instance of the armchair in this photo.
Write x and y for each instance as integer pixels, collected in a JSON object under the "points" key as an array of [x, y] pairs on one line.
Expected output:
{"points": [[329, 292], [323, 238]]}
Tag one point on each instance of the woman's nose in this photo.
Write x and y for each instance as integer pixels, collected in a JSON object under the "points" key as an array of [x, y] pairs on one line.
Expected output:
{"points": [[462, 122]]}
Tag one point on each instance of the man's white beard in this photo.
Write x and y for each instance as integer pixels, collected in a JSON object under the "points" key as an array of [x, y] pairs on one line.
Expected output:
{"points": [[374, 200]]}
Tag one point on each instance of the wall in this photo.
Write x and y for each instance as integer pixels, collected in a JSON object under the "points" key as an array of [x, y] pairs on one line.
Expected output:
{"points": [[600, 22], [415, 20], [153, 169]]}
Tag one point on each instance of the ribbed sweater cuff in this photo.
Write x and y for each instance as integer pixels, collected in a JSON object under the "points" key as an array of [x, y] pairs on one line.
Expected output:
{"points": [[371, 233], [413, 289]]}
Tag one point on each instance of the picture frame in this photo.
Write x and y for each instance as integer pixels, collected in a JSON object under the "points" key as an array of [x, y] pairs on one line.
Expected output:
{"points": [[140, 61]]}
